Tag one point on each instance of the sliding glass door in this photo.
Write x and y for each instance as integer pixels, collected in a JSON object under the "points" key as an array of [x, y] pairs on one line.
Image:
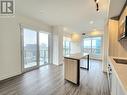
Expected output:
{"points": [[43, 48], [87, 45], [96, 45], [93, 46], [34, 49], [29, 48], [66, 46]]}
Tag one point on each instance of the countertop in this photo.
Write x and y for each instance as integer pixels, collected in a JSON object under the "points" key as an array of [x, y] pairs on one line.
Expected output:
{"points": [[76, 56], [121, 72]]}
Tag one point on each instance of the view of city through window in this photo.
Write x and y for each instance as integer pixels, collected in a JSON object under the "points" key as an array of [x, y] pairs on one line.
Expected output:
{"points": [[66, 46], [43, 44], [93, 45], [30, 48]]}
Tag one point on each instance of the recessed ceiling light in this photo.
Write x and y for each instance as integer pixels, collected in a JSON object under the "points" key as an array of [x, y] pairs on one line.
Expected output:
{"points": [[91, 22], [65, 29]]}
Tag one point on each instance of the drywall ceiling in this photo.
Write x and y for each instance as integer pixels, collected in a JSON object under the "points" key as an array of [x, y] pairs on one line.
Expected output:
{"points": [[73, 14], [115, 7]]}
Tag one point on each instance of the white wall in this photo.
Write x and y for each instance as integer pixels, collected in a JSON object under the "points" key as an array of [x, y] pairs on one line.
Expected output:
{"points": [[75, 47], [10, 46], [10, 59], [57, 45], [55, 49], [75, 43], [105, 47]]}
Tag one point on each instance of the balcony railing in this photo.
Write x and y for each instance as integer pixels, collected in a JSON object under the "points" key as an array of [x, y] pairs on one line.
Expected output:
{"points": [[43, 57], [92, 51], [66, 51], [30, 57]]}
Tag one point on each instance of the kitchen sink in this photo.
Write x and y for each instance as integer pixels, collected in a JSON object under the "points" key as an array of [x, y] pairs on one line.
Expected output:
{"points": [[120, 61]]}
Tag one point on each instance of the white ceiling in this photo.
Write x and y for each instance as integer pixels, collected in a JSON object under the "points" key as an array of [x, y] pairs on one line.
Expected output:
{"points": [[115, 7], [73, 14]]}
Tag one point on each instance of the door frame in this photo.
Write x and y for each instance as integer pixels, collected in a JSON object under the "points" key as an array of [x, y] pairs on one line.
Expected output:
{"points": [[22, 26], [22, 49]]}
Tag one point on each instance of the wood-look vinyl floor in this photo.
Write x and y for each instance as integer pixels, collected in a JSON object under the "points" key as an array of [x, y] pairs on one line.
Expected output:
{"points": [[49, 80]]}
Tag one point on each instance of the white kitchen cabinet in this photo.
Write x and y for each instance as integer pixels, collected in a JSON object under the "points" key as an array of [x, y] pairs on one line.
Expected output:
{"points": [[113, 84], [119, 90], [70, 70], [116, 88]]}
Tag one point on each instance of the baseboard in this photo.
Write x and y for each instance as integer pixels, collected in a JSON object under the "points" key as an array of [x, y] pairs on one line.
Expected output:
{"points": [[9, 78]]}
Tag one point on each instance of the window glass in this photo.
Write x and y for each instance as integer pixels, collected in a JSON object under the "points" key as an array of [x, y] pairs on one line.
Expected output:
{"points": [[93, 45], [96, 45], [30, 48], [66, 46], [87, 45]]}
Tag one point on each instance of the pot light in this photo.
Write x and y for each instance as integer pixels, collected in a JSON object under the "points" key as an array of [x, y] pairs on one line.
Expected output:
{"points": [[91, 22], [65, 29], [95, 32]]}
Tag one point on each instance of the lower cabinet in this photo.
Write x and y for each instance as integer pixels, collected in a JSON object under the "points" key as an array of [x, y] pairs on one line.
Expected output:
{"points": [[116, 88], [120, 91], [70, 70], [113, 84]]}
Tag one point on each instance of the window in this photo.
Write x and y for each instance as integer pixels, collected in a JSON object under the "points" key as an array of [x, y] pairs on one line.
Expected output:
{"points": [[30, 48], [96, 45], [93, 45], [66, 46], [35, 48], [43, 48], [87, 45]]}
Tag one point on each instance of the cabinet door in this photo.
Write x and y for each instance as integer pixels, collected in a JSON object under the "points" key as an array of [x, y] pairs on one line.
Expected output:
{"points": [[120, 91], [70, 70], [113, 85]]}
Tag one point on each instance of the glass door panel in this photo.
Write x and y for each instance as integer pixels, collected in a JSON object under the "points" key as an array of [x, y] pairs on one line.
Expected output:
{"points": [[66, 46], [96, 45], [87, 45], [93, 45], [43, 48], [30, 48]]}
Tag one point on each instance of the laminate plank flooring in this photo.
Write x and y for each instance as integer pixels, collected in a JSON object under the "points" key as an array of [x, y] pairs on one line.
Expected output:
{"points": [[49, 80]]}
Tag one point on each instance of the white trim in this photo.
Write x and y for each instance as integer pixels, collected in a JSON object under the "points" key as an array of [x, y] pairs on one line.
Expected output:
{"points": [[22, 26]]}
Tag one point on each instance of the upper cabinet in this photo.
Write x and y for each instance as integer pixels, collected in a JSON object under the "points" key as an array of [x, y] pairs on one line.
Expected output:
{"points": [[116, 32], [113, 35], [122, 29]]}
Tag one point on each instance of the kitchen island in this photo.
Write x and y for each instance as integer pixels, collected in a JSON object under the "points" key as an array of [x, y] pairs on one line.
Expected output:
{"points": [[72, 67]]}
